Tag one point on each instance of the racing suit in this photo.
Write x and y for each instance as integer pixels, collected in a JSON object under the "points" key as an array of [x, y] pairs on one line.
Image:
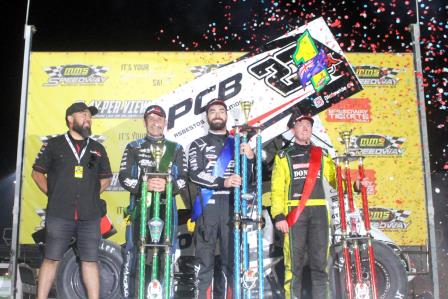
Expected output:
{"points": [[215, 220], [136, 158], [310, 232]]}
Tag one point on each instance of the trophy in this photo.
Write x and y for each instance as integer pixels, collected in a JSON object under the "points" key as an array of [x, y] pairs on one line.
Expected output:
{"points": [[345, 137], [157, 227], [155, 224], [243, 275], [246, 107], [361, 288]]}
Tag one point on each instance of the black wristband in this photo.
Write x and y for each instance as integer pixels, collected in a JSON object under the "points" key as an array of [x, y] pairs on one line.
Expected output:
{"points": [[279, 217]]}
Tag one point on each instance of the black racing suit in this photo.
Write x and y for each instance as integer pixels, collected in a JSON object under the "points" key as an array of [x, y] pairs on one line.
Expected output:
{"points": [[215, 221], [136, 158]]}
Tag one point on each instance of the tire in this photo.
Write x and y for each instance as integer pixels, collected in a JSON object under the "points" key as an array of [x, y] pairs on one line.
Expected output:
{"points": [[391, 275], [69, 283]]}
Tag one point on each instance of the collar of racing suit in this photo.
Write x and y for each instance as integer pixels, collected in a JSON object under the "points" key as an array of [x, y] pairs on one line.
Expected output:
{"points": [[218, 135], [154, 139], [303, 148]]}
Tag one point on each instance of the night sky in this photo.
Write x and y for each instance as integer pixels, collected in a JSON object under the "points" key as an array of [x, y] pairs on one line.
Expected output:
{"points": [[206, 25], [180, 25]]}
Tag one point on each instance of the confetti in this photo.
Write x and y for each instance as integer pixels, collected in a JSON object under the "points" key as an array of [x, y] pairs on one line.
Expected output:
{"points": [[358, 25]]}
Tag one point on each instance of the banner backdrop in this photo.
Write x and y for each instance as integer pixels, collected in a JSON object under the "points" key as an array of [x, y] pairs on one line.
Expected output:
{"points": [[121, 85], [386, 129]]}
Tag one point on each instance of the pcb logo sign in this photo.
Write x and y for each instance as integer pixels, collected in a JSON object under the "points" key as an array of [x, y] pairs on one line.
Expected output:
{"points": [[75, 74]]}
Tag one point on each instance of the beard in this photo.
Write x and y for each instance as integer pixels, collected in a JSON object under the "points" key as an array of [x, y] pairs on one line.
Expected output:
{"points": [[83, 131], [216, 126]]}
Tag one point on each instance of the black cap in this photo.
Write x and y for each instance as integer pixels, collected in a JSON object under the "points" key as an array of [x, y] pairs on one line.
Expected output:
{"points": [[156, 109], [215, 102], [296, 117], [78, 107]]}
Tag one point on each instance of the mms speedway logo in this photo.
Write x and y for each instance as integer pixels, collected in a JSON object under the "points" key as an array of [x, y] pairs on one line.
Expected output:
{"points": [[389, 219], [377, 145], [370, 75], [75, 74]]}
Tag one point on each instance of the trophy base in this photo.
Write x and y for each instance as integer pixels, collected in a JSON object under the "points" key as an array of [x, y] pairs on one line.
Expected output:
{"points": [[154, 290]]}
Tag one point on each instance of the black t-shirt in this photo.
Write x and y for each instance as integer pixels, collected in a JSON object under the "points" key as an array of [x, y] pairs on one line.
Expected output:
{"points": [[72, 184]]}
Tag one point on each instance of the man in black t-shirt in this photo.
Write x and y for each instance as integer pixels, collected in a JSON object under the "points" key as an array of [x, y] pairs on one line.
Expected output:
{"points": [[72, 170]]}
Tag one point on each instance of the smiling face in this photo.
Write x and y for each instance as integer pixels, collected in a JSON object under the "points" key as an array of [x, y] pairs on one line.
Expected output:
{"points": [[155, 125], [302, 131], [217, 117]]}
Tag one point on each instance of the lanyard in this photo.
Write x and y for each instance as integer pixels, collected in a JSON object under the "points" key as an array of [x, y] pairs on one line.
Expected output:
{"points": [[78, 158]]}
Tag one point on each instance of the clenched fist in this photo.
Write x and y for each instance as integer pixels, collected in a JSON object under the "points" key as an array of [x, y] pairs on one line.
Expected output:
{"points": [[282, 226], [232, 181], [156, 184]]}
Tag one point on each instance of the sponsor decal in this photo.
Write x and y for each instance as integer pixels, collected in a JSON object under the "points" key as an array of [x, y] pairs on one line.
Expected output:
{"points": [[115, 184], [335, 93], [139, 67], [75, 74], [97, 153], [41, 213], [389, 219], [126, 272], [227, 89], [200, 70], [377, 145], [318, 102], [210, 149], [351, 110], [302, 174], [311, 62], [189, 128], [130, 136], [377, 76], [300, 165], [114, 108], [286, 76]]}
